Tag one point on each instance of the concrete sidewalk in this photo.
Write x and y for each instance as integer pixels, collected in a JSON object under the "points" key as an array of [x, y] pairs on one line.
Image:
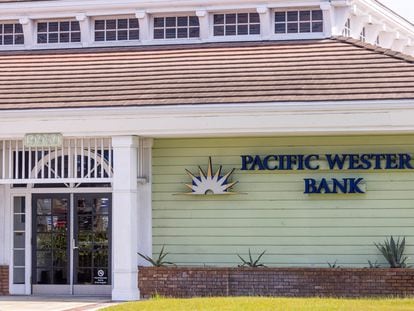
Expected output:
{"points": [[53, 303]]}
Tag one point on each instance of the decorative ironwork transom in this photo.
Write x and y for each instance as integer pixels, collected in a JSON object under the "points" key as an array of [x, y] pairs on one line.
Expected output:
{"points": [[76, 160]]}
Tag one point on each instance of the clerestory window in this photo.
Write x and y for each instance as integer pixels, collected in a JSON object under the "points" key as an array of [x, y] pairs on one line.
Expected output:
{"points": [[116, 29], [176, 27], [300, 21], [236, 24], [58, 32], [11, 34]]}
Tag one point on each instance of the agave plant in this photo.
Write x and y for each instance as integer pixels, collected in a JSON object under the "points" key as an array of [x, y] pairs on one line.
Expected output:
{"points": [[252, 263], [393, 251], [373, 265], [334, 265], [157, 262]]}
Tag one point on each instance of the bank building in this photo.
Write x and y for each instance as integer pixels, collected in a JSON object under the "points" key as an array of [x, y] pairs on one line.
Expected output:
{"points": [[205, 127]]}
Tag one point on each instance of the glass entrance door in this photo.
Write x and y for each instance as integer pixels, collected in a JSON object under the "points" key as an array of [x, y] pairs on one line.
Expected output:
{"points": [[92, 244], [71, 244]]}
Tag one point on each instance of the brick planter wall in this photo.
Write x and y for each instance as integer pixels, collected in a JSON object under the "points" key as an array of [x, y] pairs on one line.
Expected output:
{"points": [[4, 280], [198, 282]]}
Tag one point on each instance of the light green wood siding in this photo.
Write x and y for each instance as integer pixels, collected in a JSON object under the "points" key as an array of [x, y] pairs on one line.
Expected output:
{"points": [[272, 213]]}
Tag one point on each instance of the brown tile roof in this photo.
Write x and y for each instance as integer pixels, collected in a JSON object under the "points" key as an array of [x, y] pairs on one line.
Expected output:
{"points": [[316, 70]]}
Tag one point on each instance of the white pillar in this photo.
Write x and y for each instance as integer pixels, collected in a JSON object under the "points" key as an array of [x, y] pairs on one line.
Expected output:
{"points": [[265, 22], [85, 28], [28, 32], [203, 18], [144, 200], [145, 34], [125, 218]]}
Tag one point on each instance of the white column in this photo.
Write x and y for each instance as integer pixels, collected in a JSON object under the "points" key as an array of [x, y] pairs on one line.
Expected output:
{"points": [[144, 200], [125, 218], [327, 19], [144, 26], [266, 29], [203, 18], [28, 32], [85, 28]]}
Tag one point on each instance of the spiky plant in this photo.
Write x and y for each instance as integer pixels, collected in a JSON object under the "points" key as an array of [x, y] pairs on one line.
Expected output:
{"points": [[373, 265], [250, 262], [334, 265], [393, 251], [157, 262]]}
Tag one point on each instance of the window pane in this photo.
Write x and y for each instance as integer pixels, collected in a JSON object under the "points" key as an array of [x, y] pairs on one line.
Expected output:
{"points": [[230, 18], [305, 27], [64, 37], [134, 35], [42, 38], [18, 28], [19, 222], [158, 33], [292, 16], [64, 26], [194, 21], [317, 27], [292, 28], [255, 29], [19, 258], [122, 34], [19, 39], [317, 15], [99, 36], [280, 16], [42, 27], [110, 35], [111, 24], [304, 15], [242, 30], [230, 30], [219, 30], [53, 37], [75, 37], [218, 18], [242, 18], [170, 22], [133, 23], [8, 40], [194, 32], [18, 276], [19, 239], [182, 21], [254, 18], [182, 32], [54, 26], [100, 25], [44, 241], [8, 28], [170, 33], [122, 23], [158, 22]]}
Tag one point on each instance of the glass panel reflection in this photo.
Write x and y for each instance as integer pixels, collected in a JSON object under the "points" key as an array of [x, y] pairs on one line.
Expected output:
{"points": [[44, 206]]}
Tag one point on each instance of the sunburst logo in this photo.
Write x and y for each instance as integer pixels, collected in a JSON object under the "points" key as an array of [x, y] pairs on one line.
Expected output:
{"points": [[210, 183]]}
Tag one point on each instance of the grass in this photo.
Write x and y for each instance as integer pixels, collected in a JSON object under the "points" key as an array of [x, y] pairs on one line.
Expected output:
{"points": [[261, 303]]}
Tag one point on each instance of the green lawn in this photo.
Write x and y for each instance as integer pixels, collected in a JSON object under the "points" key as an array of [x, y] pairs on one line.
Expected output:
{"points": [[273, 304]]}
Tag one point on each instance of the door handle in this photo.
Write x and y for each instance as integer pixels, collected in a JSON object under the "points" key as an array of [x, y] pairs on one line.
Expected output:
{"points": [[74, 244]]}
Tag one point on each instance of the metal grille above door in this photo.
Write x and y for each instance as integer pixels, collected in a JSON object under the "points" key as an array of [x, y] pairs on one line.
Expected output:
{"points": [[76, 160]]}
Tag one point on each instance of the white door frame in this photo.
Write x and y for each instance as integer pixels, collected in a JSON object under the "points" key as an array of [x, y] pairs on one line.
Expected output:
{"points": [[26, 289]]}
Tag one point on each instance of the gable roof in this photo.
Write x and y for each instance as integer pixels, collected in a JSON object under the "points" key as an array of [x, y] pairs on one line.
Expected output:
{"points": [[256, 72]]}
